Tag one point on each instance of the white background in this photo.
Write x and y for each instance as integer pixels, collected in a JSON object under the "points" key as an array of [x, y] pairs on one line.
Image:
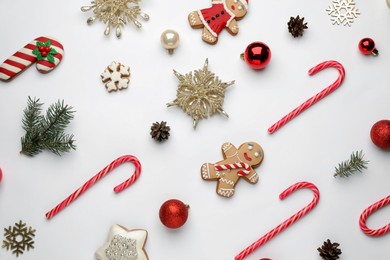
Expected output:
{"points": [[108, 125]]}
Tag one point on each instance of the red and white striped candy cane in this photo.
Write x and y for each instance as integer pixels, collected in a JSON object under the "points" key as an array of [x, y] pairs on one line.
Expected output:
{"points": [[25, 57], [98, 176], [287, 222], [367, 212], [230, 166], [315, 98]]}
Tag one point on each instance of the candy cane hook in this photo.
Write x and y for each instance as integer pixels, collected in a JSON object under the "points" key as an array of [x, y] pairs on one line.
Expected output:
{"points": [[261, 241], [315, 98], [98, 176], [367, 212]]}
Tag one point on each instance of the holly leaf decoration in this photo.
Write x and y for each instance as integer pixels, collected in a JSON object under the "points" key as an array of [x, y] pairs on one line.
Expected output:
{"points": [[52, 51], [50, 57], [36, 52]]}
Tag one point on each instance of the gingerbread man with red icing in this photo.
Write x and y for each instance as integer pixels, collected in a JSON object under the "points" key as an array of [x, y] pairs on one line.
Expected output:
{"points": [[222, 14], [237, 163]]}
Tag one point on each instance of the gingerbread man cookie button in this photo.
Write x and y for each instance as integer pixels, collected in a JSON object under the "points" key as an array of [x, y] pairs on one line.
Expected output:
{"points": [[236, 163], [222, 14]]}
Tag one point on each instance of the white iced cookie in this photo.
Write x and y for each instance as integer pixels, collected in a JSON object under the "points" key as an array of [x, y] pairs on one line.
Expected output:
{"points": [[124, 244], [116, 76]]}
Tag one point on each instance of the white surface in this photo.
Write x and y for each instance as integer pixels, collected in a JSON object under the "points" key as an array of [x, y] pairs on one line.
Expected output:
{"points": [[108, 125]]}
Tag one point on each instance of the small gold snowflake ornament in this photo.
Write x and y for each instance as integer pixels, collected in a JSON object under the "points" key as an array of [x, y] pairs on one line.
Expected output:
{"points": [[200, 95], [115, 13], [18, 238]]}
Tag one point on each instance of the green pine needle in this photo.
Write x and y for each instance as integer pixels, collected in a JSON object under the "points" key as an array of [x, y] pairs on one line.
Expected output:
{"points": [[351, 166], [46, 132]]}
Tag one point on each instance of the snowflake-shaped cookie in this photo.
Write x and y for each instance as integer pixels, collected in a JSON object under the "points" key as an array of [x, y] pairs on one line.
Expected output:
{"points": [[18, 238], [200, 95], [343, 12], [116, 76]]}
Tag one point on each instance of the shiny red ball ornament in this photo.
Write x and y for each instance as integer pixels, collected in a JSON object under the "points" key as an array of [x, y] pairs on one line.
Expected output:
{"points": [[257, 55], [367, 47], [380, 134], [173, 213]]}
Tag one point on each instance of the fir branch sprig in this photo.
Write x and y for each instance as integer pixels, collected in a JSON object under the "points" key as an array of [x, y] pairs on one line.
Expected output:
{"points": [[46, 132], [351, 166]]}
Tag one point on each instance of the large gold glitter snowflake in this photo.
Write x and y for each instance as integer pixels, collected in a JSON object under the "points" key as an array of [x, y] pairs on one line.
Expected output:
{"points": [[115, 13], [200, 95]]}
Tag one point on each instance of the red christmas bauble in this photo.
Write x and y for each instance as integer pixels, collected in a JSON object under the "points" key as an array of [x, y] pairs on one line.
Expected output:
{"points": [[257, 55], [380, 134], [367, 46], [173, 213]]}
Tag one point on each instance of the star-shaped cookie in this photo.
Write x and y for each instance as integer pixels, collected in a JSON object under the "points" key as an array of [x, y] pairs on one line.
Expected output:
{"points": [[124, 244]]}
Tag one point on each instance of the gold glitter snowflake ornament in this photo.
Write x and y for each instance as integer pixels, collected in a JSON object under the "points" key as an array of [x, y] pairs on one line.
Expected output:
{"points": [[18, 238], [115, 13], [200, 95]]}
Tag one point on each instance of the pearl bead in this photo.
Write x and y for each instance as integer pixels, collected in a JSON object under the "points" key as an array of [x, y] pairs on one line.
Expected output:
{"points": [[170, 39]]}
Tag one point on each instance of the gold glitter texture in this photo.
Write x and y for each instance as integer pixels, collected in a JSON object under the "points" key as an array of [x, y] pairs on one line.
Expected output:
{"points": [[200, 95], [115, 13]]}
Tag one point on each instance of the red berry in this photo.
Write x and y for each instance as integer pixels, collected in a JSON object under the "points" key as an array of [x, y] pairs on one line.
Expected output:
{"points": [[44, 53], [1, 175], [47, 49], [173, 213], [41, 48]]}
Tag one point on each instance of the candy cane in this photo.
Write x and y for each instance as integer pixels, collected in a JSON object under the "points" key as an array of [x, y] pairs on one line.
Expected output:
{"points": [[221, 167], [47, 52], [98, 176], [316, 97], [287, 222], [367, 212]]}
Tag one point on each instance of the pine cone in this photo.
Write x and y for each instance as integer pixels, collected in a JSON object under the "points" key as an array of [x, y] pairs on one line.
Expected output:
{"points": [[329, 250], [160, 131], [296, 26]]}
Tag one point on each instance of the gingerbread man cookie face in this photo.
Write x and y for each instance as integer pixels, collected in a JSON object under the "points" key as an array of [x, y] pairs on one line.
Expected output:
{"points": [[237, 163], [237, 7], [251, 153], [222, 14]]}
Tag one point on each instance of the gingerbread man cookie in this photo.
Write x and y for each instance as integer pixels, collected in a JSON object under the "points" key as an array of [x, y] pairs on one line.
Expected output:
{"points": [[236, 163], [222, 14]]}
